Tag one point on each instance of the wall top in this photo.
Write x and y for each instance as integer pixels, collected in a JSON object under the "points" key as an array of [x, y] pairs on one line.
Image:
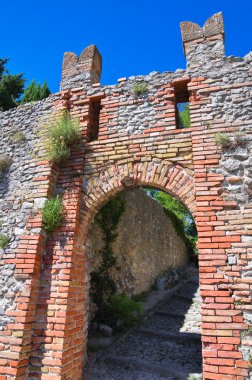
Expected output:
{"points": [[83, 70], [213, 26]]}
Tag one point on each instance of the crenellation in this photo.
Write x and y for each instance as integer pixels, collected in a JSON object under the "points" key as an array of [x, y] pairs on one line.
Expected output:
{"points": [[204, 47], [85, 70]]}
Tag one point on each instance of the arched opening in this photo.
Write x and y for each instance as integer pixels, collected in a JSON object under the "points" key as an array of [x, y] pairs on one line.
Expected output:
{"points": [[144, 303]]}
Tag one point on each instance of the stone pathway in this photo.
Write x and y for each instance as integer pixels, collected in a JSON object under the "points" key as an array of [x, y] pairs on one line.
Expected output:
{"points": [[165, 345]]}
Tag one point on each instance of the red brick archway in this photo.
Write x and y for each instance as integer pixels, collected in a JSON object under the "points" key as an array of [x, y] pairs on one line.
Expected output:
{"points": [[68, 332], [172, 179], [162, 175], [59, 331]]}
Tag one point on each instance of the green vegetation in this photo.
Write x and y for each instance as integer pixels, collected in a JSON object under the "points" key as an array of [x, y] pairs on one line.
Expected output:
{"points": [[143, 296], [61, 135], [180, 217], [140, 88], [184, 116], [230, 141], [247, 333], [11, 87], [18, 137], [223, 140], [52, 213], [5, 163], [118, 311], [35, 92], [103, 287], [57, 151], [124, 310], [4, 241]]}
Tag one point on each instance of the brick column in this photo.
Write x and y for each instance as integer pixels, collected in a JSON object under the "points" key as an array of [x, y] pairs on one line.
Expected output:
{"points": [[222, 323]]}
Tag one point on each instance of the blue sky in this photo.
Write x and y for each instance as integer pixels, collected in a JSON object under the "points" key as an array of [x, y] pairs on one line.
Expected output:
{"points": [[134, 36]]}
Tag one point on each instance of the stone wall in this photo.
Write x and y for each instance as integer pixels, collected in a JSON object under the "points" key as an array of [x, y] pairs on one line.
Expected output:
{"points": [[19, 196], [146, 245]]}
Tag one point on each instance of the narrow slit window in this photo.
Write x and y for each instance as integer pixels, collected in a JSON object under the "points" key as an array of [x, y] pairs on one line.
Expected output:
{"points": [[182, 105], [94, 119]]}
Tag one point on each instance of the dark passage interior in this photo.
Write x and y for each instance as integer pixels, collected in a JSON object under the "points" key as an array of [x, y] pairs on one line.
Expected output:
{"points": [[144, 314]]}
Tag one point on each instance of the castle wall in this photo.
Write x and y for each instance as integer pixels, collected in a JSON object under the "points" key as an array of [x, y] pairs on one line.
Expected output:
{"points": [[19, 193], [44, 312]]}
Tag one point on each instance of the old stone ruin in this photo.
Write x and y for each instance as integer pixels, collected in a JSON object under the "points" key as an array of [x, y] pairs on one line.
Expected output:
{"points": [[130, 138]]}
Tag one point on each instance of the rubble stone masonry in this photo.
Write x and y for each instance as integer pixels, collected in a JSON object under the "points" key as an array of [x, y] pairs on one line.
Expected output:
{"points": [[145, 227], [129, 140]]}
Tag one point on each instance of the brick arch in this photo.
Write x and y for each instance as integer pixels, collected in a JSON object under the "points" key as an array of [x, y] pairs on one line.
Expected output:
{"points": [[170, 178], [98, 190]]}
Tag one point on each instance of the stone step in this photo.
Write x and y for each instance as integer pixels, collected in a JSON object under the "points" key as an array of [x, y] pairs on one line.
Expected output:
{"points": [[186, 299], [163, 323], [169, 314], [166, 372], [190, 293], [115, 370], [184, 316], [176, 305], [179, 337], [157, 348], [191, 282]]}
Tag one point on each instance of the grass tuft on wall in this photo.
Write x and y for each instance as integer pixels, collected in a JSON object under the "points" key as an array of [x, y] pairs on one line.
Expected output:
{"points": [[61, 134], [52, 213], [4, 241]]}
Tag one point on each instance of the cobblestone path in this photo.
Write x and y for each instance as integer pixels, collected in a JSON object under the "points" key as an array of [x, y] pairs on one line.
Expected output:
{"points": [[165, 345]]}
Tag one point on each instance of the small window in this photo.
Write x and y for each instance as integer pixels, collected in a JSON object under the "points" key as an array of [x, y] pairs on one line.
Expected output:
{"points": [[181, 95], [93, 119]]}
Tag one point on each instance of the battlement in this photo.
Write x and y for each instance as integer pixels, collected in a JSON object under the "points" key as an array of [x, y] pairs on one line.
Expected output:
{"points": [[203, 45], [85, 69], [213, 27]]}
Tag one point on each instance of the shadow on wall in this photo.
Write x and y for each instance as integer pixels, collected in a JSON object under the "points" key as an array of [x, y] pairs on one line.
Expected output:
{"points": [[151, 239]]}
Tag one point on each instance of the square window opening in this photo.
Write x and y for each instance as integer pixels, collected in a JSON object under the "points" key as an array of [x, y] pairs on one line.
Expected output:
{"points": [[94, 119], [182, 111]]}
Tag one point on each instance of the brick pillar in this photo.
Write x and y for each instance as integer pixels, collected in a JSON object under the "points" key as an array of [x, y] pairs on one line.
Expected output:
{"points": [[59, 332], [222, 321]]}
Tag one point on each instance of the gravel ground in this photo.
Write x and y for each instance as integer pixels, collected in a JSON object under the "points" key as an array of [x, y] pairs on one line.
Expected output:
{"points": [[163, 346]]}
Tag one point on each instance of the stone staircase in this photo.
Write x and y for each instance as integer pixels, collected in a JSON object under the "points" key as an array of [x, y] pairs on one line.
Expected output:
{"points": [[165, 345]]}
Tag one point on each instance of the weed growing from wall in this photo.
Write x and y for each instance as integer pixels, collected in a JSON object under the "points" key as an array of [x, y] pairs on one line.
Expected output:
{"points": [[4, 241], [18, 137], [230, 141], [61, 135], [140, 89], [247, 333], [52, 213], [223, 140]]}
